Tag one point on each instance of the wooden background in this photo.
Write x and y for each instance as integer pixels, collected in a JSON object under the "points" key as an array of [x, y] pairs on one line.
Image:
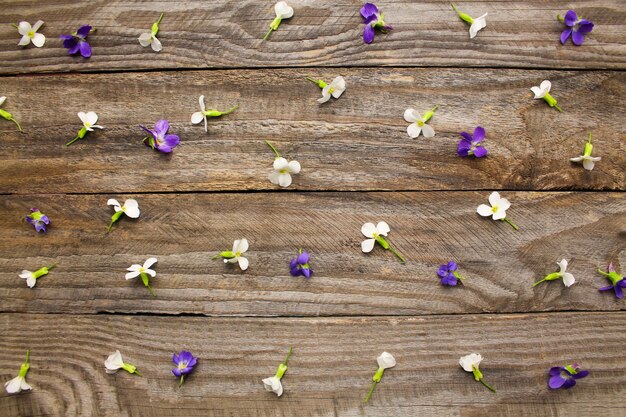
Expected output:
{"points": [[358, 166]]}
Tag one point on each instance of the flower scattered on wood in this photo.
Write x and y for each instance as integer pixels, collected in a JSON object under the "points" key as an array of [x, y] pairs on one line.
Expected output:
{"points": [[273, 384], [240, 247], [543, 91], [568, 279], [565, 376], [449, 275], [150, 39], [143, 271], [588, 161], [497, 209], [130, 208], [89, 120], [617, 281], [159, 139], [418, 123], [197, 117], [31, 277], [184, 362], [375, 234], [29, 34], [115, 362], [77, 41], [300, 265], [472, 144], [577, 27], [282, 169], [335, 88], [8, 116], [373, 20], [471, 363], [38, 220], [385, 361], [19, 383], [283, 11], [475, 24]]}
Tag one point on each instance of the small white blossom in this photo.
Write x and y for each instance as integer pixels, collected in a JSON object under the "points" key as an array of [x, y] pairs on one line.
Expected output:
{"points": [[273, 384], [198, 116], [19, 383], [335, 89], [588, 161], [150, 39], [239, 247], [479, 23], [29, 34], [29, 277], [542, 90], [89, 120], [370, 231], [471, 361], [568, 278], [130, 207], [283, 10], [386, 361], [115, 362], [498, 207], [283, 170], [418, 123], [136, 269]]}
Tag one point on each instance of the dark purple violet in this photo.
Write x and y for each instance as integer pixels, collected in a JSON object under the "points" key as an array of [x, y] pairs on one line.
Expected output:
{"points": [[77, 42], [449, 275], [471, 144], [618, 281], [373, 20], [577, 28], [159, 139], [184, 362], [565, 376], [300, 265], [38, 220]]}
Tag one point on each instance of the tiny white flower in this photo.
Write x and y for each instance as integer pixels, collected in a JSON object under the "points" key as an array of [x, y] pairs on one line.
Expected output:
{"points": [[274, 385], [283, 170], [30, 279], [18, 383], [542, 90], [335, 89], [136, 269], [89, 120], [150, 39], [479, 23], [386, 361], [471, 361], [568, 278], [197, 117], [115, 362], [8, 116], [283, 11], [372, 232], [588, 160], [29, 34], [239, 247], [418, 123], [130, 207], [498, 207]]}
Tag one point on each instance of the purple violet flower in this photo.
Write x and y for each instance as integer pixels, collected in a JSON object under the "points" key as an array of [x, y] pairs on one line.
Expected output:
{"points": [[448, 274], [77, 42], [300, 265], [38, 220], [576, 27], [159, 139], [373, 20], [617, 280], [184, 362], [471, 144], [565, 376]]}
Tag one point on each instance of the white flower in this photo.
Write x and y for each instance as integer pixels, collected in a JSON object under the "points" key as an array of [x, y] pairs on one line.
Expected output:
{"points": [[335, 88], [568, 279], [16, 385], [149, 38], [2, 100], [198, 116], [130, 207], [282, 10], [478, 24], [386, 360], [470, 362], [283, 170], [370, 231], [542, 90], [30, 34], [497, 209], [418, 125], [114, 362], [136, 270], [588, 160], [239, 247], [89, 120], [274, 385], [30, 278]]}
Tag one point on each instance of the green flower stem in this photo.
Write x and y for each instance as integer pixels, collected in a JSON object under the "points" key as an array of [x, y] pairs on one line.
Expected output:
{"points": [[429, 113], [492, 389], [273, 26], [229, 111], [467, 18], [511, 223], [116, 216], [15, 26], [549, 277], [551, 102], [131, 369], [369, 394], [457, 276], [319, 83], [17, 124], [273, 148], [146, 282], [25, 366], [182, 377], [160, 18], [72, 141], [560, 18], [402, 259], [288, 355], [588, 147]]}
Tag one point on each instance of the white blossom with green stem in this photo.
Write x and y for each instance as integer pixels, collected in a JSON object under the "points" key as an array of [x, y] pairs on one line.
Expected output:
{"points": [[197, 117], [150, 39], [588, 161], [8, 116]]}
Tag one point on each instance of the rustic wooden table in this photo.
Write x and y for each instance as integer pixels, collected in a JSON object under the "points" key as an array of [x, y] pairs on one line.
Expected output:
{"points": [[358, 166]]}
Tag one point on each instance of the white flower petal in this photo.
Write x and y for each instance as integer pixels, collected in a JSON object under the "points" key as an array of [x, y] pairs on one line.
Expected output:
{"points": [[411, 116], [294, 167], [150, 272], [156, 45], [368, 229], [243, 263], [494, 199], [428, 131], [113, 202], [382, 228], [39, 40], [484, 210], [24, 41], [149, 262], [25, 274], [499, 214], [413, 130], [468, 361], [325, 96], [197, 117], [283, 10], [539, 93], [14, 386], [504, 204], [37, 25], [2, 100], [284, 179], [545, 86], [23, 28], [479, 23], [273, 177], [145, 39], [568, 279], [31, 281], [83, 117], [367, 245], [131, 275], [386, 360], [242, 246], [577, 159], [201, 101], [131, 208], [24, 386], [562, 265], [92, 118], [280, 163], [339, 86], [274, 385], [114, 361], [588, 164]]}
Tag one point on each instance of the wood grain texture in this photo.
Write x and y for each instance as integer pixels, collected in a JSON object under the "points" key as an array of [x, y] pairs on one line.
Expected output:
{"points": [[429, 228], [358, 142], [227, 34], [331, 369]]}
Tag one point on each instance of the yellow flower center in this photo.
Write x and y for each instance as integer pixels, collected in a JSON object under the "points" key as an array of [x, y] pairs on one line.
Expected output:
{"points": [[182, 365], [31, 34], [87, 124], [420, 123], [331, 90], [494, 209]]}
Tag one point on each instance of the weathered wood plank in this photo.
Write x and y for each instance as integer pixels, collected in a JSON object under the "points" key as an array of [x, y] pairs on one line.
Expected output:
{"points": [[356, 143], [329, 373], [227, 34], [429, 228]]}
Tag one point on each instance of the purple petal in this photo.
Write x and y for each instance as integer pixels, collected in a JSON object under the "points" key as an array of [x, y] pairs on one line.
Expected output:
{"points": [[555, 370], [622, 283], [570, 18], [452, 266], [176, 372], [307, 272], [66, 37], [581, 374], [368, 34], [192, 362], [72, 45], [479, 134], [187, 370], [40, 227], [618, 292], [442, 271], [464, 147], [565, 34], [466, 136], [386, 28], [175, 359], [556, 381], [163, 148], [172, 140], [480, 152], [585, 26], [577, 38], [150, 132], [295, 272], [161, 127], [185, 356], [30, 220], [83, 31], [370, 19], [293, 264], [569, 383], [303, 258], [85, 49], [45, 219], [368, 9]]}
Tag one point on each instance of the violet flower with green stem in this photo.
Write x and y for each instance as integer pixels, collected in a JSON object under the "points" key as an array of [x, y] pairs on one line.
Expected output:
{"points": [[300, 265], [38, 220], [565, 376], [159, 139], [577, 27], [374, 19], [618, 281], [472, 144], [8, 116], [77, 41], [184, 362], [449, 275]]}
